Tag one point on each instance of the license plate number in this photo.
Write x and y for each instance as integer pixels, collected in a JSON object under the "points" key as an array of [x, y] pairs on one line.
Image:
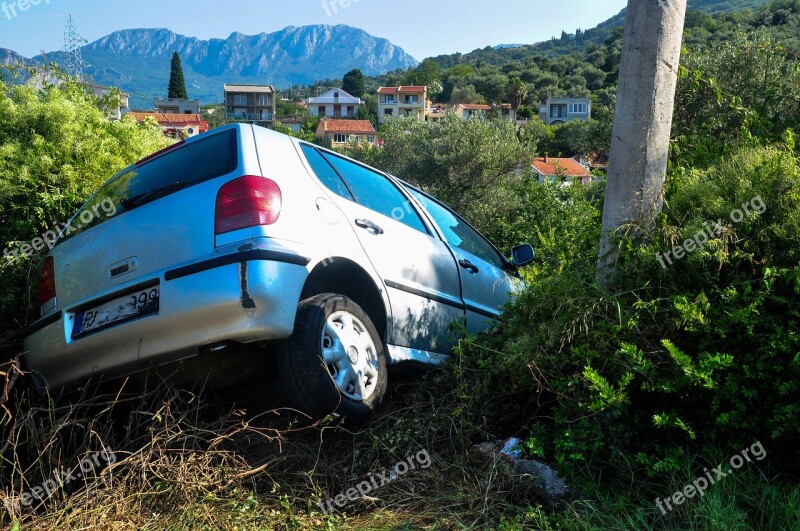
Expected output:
{"points": [[138, 304]]}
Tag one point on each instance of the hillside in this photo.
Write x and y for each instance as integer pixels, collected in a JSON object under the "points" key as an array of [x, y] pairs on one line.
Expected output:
{"points": [[10, 57], [574, 42]]}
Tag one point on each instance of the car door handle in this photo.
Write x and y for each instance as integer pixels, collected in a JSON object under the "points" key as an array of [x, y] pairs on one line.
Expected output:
{"points": [[367, 224], [466, 264]]}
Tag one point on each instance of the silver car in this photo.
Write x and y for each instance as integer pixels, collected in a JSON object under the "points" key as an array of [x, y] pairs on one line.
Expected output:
{"points": [[247, 236]]}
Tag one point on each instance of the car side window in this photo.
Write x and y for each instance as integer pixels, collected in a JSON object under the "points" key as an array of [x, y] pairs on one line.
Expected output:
{"points": [[457, 232], [377, 193], [326, 173]]}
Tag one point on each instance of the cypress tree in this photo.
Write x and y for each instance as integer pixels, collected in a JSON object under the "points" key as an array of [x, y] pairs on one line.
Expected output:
{"points": [[177, 83]]}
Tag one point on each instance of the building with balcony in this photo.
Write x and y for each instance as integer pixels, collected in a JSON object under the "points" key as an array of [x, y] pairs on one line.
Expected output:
{"points": [[335, 103], [255, 104], [336, 133], [435, 112], [178, 106], [402, 101], [563, 110]]}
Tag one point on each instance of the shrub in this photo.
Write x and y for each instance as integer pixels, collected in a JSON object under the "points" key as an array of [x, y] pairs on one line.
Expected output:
{"points": [[701, 352]]}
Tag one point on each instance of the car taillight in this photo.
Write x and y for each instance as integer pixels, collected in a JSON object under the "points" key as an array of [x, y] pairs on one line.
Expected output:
{"points": [[47, 281], [248, 201]]}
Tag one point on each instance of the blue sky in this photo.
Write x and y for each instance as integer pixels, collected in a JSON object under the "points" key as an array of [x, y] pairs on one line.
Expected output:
{"points": [[422, 28]]}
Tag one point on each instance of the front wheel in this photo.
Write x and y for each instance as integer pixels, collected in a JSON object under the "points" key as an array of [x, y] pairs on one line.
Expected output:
{"points": [[335, 360]]}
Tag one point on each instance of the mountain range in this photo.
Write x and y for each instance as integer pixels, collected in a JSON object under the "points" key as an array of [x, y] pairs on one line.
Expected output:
{"points": [[138, 60]]}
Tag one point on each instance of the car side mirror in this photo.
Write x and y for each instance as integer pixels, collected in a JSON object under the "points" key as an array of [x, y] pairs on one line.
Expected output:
{"points": [[523, 255]]}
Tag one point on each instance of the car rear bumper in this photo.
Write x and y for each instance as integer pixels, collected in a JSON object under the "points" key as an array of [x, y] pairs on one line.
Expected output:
{"points": [[245, 296]]}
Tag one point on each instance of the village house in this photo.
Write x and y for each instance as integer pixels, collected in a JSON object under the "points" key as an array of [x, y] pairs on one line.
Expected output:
{"points": [[177, 106], [551, 169], [255, 104], [338, 133], [174, 125], [335, 103], [563, 110], [402, 101]]}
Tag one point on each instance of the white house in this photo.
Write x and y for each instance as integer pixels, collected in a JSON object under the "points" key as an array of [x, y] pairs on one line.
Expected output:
{"points": [[402, 101], [562, 110], [118, 111], [335, 103], [177, 106]]}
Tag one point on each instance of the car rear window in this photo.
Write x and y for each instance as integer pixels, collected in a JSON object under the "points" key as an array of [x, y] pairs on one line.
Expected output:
{"points": [[187, 165]]}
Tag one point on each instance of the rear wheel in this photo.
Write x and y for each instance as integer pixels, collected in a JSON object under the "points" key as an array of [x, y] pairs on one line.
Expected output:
{"points": [[335, 361]]}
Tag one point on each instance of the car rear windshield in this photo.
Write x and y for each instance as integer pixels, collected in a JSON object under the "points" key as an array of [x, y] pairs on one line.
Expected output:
{"points": [[176, 169]]}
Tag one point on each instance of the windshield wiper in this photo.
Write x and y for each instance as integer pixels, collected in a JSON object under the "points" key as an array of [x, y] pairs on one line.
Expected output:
{"points": [[129, 203]]}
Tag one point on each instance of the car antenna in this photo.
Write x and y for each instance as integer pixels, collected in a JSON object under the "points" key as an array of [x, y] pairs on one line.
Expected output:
{"points": [[180, 133]]}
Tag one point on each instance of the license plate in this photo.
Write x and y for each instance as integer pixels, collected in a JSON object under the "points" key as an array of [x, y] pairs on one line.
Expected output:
{"points": [[129, 307]]}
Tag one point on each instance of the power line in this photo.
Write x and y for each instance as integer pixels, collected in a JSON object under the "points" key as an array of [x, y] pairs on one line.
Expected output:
{"points": [[73, 42]]}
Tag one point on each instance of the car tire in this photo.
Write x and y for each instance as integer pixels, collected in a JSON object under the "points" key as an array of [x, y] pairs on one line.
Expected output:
{"points": [[335, 361]]}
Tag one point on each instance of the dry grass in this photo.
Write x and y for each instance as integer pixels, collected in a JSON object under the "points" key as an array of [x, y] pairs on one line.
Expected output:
{"points": [[184, 460]]}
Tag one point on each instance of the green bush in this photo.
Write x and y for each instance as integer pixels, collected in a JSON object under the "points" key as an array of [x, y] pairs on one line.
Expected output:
{"points": [[704, 352], [57, 146]]}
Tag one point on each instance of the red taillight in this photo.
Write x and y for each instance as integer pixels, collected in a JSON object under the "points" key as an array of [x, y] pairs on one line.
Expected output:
{"points": [[247, 202], [47, 281]]}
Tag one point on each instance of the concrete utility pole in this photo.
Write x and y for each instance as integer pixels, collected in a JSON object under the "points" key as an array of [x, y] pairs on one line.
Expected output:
{"points": [[648, 76]]}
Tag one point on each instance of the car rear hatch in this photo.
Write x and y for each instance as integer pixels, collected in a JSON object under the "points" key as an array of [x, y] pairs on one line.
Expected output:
{"points": [[155, 215]]}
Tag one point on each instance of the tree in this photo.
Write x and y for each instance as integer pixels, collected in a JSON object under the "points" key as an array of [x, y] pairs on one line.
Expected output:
{"points": [[473, 165], [466, 94], [353, 83], [428, 72], [517, 92], [177, 83], [369, 111]]}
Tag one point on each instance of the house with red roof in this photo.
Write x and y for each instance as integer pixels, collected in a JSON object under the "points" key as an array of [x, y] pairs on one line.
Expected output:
{"points": [[174, 125], [337, 133], [558, 169], [402, 101]]}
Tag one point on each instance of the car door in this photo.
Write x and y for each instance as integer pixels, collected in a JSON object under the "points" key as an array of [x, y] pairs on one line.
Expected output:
{"points": [[418, 269], [485, 284]]}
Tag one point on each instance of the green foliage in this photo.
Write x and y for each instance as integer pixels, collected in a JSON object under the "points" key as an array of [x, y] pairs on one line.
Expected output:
{"points": [[177, 83], [465, 95], [748, 86], [470, 164], [353, 83], [669, 359], [578, 138], [308, 130], [57, 146], [369, 111]]}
